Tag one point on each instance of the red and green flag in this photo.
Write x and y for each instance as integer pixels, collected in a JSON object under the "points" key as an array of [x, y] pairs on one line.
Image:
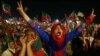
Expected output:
{"points": [[46, 17], [72, 16], [6, 8]]}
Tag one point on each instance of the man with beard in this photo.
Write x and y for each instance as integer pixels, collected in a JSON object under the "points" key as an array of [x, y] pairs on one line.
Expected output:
{"points": [[58, 38]]}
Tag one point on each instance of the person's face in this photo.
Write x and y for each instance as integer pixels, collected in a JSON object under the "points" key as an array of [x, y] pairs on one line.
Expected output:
{"points": [[95, 27], [98, 43], [30, 35], [12, 45], [58, 31], [48, 30]]}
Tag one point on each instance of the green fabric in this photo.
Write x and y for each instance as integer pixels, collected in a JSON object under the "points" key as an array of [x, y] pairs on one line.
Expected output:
{"points": [[4, 46], [1, 27], [91, 26], [39, 44], [45, 55], [6, 9], [6, 6], [0, 39], [7, 38]]}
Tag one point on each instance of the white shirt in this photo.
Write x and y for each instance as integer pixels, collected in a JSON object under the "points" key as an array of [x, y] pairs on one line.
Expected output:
{"points": [[8, 53]]}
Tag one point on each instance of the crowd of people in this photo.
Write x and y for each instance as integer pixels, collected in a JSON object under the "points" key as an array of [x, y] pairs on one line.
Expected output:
{"points": [[27, 37]]}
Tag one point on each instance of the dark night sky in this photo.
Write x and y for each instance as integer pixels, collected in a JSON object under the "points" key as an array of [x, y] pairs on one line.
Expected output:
{"points": [[55, 8]]}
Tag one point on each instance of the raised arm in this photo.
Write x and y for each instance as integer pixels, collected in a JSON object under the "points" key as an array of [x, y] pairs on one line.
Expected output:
{"points": [[41, 32], [69, 36], [90, 18], [43, 35], [22, 12], [75, 32]]}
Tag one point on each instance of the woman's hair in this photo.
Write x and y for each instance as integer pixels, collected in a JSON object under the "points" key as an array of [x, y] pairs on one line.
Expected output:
{"points": [[31, 30]]}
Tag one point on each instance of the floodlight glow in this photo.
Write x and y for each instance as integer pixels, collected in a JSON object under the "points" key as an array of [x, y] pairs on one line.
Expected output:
{"points": [[57, 20]]}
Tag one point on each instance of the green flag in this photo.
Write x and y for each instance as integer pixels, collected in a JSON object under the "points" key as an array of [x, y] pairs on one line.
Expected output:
{"points": [[7, 38], [72, 16], [6, 8]]}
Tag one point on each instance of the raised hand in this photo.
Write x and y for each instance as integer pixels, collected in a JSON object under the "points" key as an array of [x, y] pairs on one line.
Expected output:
{"points": [[92, 13], [22, 12], [20, 7]]}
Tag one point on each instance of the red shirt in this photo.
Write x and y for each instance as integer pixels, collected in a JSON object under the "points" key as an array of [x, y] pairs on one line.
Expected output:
{"points": [[38, 53]]}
